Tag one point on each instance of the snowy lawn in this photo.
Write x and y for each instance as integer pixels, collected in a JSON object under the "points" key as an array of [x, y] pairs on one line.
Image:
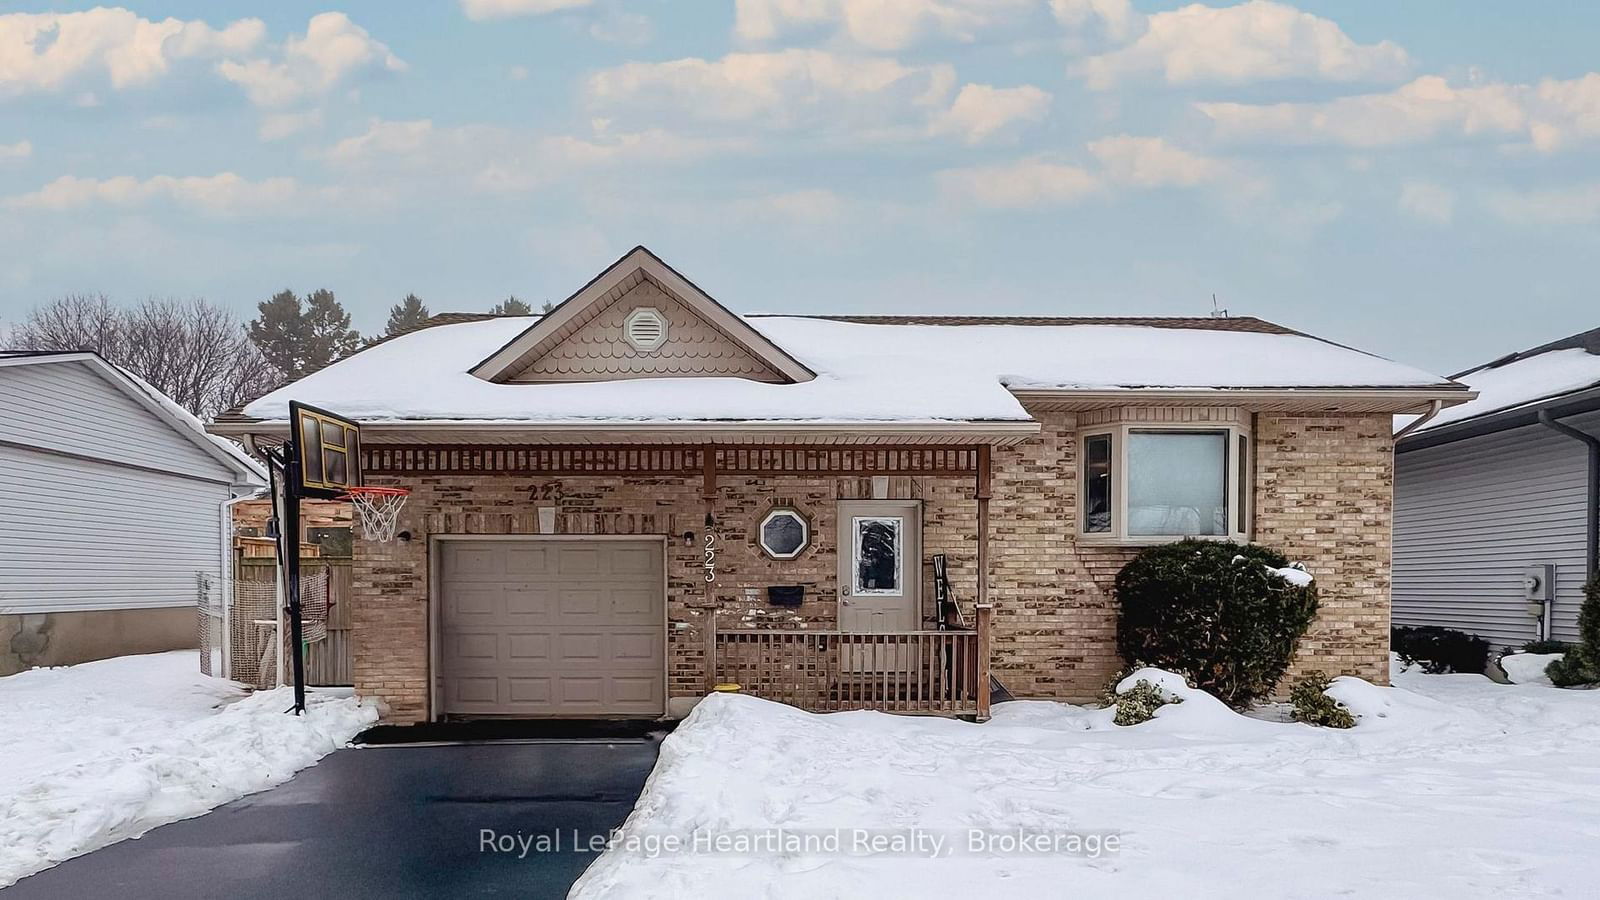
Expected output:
{"points": [[1450, 786], [107, 750]]}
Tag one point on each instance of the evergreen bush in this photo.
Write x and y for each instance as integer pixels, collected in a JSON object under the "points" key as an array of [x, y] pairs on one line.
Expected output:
{"points": [[1215, 610], [1314, 707], [1440, 650]]}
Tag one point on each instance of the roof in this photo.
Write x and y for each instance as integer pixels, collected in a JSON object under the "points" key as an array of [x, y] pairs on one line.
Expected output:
{"points": [[846, 371], [1524, 381], [179, 419]]}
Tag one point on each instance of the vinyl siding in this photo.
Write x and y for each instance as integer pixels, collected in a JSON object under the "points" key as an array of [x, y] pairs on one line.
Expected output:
{"points": [[1470, 515], [80, 535], [66, 406]]}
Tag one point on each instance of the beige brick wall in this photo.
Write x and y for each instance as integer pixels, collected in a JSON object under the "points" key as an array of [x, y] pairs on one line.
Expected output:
{"points": [[1323, 496]]}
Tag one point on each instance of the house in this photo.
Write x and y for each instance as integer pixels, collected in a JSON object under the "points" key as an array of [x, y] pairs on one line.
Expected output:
{"points": [[642, 494], [1495, 500], [113, 513]]}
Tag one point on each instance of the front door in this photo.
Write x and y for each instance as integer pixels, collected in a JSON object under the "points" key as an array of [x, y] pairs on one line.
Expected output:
{"points": [[880, 565]]}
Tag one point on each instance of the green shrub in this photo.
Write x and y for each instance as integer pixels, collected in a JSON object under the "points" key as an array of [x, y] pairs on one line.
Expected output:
{"points": [[1588, 647], [1440, 650], [1570, 671], [1546, 647], [1140, 702], [1213, 610], [1314, 707]]}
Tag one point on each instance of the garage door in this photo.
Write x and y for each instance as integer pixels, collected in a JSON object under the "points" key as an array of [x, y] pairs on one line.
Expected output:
{"points": [[552, 628]]}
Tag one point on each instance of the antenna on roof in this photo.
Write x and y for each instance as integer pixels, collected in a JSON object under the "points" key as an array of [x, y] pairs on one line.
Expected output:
{"points": [[1216, 311]]}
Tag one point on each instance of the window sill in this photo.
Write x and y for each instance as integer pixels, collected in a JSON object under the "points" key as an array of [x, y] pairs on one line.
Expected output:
{"points": [[1095, 540]]}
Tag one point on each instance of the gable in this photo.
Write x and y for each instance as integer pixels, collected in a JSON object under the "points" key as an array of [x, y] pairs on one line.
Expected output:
{"points": [[598, 349], [713, 341]]}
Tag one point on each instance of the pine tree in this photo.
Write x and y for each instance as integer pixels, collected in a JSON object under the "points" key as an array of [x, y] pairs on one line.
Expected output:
{"points": [[329, 336], [511, 306], [406, 315], [546, 307], [279, 332]]}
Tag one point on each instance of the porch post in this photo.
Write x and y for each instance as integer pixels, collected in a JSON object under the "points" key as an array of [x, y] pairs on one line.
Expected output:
{"points": [[985, 612], [982, 494]]}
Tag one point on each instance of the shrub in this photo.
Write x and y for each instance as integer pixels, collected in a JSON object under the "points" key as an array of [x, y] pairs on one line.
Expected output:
{"points": [[1216, 611], [1546, 647], [1440, 650], [1581, 664], [1314, 707], [1140, 702]]}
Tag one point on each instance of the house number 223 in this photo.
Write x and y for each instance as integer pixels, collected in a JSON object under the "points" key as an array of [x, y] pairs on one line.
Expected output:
{"points": [[710, 562]]}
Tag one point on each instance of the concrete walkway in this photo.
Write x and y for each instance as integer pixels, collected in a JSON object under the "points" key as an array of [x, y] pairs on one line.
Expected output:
{"points": [[382, 822]]}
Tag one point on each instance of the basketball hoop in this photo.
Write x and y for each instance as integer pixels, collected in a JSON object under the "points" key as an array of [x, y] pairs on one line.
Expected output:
{"points": [[379, 508]]}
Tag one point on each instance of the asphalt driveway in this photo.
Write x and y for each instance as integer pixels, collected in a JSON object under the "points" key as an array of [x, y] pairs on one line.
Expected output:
{"points": [[400, 821]]}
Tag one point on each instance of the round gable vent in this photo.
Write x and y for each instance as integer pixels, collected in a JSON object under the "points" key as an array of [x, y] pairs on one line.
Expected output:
{"points": [[645, 329]]}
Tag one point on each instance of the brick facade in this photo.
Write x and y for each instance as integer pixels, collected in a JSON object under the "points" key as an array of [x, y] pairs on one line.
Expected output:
{"points": [[1322, 495]]}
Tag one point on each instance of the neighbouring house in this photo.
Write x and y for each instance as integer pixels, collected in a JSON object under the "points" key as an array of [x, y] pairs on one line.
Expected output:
{"points": [[642, 494], [1495, 500], [113, 513]]}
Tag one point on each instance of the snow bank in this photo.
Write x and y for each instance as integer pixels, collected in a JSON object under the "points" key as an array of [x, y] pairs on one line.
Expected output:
{"points": [[880, 373], [1528, 668], [1450, 786], [107, 750]]}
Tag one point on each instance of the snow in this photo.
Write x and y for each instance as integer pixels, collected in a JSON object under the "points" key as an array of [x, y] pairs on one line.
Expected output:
{"points": [[1528, 668], [1519, 383], [103, 751], [1449, 786], [1293, 574], [877, 373]]}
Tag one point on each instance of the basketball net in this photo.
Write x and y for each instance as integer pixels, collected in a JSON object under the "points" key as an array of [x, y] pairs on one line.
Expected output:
{"points": [[379, 510]]}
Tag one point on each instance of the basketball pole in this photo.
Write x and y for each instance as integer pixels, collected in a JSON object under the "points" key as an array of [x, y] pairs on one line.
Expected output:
{"points": [[285, 465]]}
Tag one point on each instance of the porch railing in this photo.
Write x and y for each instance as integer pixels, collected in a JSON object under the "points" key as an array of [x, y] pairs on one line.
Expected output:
{"points": [[927, 672]]}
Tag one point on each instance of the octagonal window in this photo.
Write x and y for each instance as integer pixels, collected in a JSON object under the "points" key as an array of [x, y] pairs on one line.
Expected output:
{"points": [[784, 533]]}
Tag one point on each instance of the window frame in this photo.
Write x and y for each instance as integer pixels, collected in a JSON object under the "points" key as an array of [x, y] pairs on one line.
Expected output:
{"points": [[1238, 492], [805, 532]]}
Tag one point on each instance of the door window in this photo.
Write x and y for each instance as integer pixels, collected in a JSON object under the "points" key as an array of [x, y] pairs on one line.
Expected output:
{"points": [[878, 554]]}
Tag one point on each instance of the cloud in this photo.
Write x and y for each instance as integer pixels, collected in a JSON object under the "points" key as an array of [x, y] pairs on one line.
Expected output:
{"points": [[332, 49], [981, 111], [878, 24], [1573, 205], [1150, 162], [1116, 18], [621, 27], [1427, 202], [222, 195], [1033, 183], [1252, 42], [814, 91], [19, 150], [1550, 116], [814, 206], [277, 126], [485, 10], [51, 51], [493, 158]]}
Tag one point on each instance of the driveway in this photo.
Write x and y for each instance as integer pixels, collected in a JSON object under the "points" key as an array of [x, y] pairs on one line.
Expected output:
{"points": [[400, 821]]}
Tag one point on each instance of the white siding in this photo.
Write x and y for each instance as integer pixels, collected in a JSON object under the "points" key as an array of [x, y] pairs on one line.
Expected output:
{"points": [[80, 535], [1470, 515], [67, 406]]}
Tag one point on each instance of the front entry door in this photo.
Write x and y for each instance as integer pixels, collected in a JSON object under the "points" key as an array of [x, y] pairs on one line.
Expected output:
{"points": [[880, 565]]}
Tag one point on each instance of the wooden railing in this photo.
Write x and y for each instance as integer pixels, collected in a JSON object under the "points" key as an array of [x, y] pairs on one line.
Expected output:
{"points": [[928, 672]]}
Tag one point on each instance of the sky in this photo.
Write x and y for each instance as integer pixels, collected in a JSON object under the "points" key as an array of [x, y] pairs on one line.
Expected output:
{"points": [[1420, 179]]}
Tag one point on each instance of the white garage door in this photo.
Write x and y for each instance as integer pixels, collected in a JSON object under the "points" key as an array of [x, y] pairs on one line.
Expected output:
{"points": [[552, 628]]}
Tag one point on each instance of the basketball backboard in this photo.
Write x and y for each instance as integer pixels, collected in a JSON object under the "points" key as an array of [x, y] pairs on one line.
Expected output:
{"points": [[328, 448]]}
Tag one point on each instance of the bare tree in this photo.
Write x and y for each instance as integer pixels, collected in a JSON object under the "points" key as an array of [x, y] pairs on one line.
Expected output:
{"points": [[193, 351]]}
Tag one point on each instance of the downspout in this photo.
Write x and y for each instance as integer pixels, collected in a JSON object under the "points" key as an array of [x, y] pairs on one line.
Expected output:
{"points": [[1592, 545], [1425, 418]]}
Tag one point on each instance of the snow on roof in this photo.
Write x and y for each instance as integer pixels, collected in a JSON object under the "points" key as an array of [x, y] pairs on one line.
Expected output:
{"points": [[1521, 382], [866, 373]]}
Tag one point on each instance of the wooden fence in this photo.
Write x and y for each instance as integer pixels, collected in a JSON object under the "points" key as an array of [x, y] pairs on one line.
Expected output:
{"points": [[328, 661], [927, 672]]}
